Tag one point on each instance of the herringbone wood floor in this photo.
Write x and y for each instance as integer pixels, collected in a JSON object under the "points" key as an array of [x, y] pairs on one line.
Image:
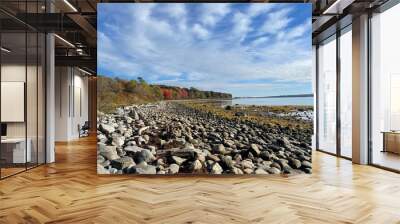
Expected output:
{"points": [[69, 191]]}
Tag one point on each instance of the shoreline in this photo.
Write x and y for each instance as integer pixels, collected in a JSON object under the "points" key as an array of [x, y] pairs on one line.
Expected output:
{"points": [[173, 138]]}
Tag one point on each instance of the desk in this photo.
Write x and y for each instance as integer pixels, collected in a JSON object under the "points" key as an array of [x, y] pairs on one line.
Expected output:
{"points": [[391, 141], [13, 150]]}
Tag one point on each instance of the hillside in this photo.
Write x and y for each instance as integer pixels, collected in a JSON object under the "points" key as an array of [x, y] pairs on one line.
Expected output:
{"points": [[114, 92]]}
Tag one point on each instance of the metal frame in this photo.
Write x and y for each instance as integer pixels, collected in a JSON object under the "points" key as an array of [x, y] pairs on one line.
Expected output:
{"points": [[28, 27], [387, 5], [337, 34], [338, 76], [369, 100], [317, 97], [0, 93]]}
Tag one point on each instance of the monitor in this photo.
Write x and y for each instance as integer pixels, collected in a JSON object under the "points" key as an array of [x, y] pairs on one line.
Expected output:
{"points": [[3, 129]]}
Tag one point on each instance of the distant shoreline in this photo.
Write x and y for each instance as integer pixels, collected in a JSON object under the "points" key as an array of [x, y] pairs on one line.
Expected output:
{"points": [[280, 96], [248, 97]]}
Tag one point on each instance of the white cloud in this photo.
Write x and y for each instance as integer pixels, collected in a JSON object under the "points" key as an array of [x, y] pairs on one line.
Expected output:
{"points": [[298, 31], [256, 9], [242, 25], [259, 41], [200, 31], [213, 13], [276, 21], [175, 10], [154, 48]]}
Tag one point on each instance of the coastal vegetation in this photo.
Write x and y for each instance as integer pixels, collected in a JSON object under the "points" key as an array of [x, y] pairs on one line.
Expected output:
{"points": [[115, 92], [291, 116]]}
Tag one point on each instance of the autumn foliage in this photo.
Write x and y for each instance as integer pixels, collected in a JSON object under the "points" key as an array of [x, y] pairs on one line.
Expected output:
{"points": [[114, 92], [167, 93]]}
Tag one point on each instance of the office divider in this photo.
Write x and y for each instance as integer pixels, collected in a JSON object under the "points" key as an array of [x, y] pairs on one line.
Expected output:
{"points": [[22, 77]]}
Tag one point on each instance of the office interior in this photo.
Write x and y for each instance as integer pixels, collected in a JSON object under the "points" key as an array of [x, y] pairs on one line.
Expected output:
{"points": [[357, 82], [45, 83], [48, 71]]}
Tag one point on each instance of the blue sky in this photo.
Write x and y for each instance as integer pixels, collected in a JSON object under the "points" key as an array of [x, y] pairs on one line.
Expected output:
{"points": [[247, 49]]}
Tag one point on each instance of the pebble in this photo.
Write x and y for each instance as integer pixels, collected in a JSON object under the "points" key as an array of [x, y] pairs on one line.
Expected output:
{"points": [[135, 139]]}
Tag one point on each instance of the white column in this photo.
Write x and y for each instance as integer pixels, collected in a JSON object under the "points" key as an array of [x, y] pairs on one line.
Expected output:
{"points": [[50, 100], [314, 89], [360, 90], [50, 92]]}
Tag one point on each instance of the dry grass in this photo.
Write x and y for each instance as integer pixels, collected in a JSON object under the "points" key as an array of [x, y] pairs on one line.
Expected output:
{"points": [[255, 114]]}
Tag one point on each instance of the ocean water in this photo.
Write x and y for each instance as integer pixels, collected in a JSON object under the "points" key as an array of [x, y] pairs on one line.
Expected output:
{"points": [[279, 101]]}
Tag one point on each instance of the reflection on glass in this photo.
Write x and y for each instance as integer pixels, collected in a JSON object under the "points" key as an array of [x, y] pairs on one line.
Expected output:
{"points": [[23, 91], [14, 153], [386, 89], [327, 95], [346, 93], [41, 98], [31, 99]]}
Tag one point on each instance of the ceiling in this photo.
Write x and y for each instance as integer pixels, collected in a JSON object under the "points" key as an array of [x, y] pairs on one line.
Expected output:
{"points": [[75, 22], [330, 15]]}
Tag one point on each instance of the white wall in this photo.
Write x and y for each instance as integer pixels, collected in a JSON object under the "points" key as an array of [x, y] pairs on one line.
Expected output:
{"points": [[70, 83], [14, 72], [61, 104], [33, 126]]}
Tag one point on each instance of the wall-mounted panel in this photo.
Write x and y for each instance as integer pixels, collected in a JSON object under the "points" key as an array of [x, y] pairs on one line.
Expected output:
{"points": [[12, 101]]}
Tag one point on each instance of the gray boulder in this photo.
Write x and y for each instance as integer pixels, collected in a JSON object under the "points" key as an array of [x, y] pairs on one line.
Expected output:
{"points": [[144, 156], [196, 166], [260, 171], [149, 169], [254, 149], [122, 163], [178, 160], [273, 170], [105, 128], [216, 168], [109, 152], [173, 168]]}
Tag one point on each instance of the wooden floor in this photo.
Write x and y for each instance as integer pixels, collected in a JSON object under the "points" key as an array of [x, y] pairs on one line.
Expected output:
{"points": [[69, 191], [387, 159]]}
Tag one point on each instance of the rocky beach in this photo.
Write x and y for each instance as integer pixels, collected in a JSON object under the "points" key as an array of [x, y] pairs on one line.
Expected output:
{"points": [[172, 138]]}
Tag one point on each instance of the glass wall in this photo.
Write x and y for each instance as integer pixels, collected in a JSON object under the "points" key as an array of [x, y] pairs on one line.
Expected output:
{"points": [[346, 92], [13, 90], [22, 92], [385, 88], [327, 95]]}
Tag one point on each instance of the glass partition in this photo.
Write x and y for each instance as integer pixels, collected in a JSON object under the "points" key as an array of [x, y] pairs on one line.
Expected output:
{"points": [[13, 94], [41, 97], [22, 77], [32, 98], [346, 92], [385, 89], [327, 95]]}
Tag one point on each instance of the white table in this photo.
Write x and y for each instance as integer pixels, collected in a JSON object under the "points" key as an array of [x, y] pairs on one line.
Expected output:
{"points": [[18, 149]]}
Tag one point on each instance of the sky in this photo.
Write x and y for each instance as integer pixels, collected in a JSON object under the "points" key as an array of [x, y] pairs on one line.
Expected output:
{"points": [[246, 49]]}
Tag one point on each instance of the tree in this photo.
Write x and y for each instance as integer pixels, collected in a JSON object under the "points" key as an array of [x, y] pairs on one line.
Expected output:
{"points": [[141, 80], [167, 93], [183, 93], [130, 86]]}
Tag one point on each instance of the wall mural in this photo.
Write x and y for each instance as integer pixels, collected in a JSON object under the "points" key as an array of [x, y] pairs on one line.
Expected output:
{"points": [[204, 88]]}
